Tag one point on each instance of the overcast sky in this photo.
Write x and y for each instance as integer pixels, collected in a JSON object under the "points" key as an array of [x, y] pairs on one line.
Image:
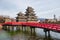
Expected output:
{"points": [[43, 8]]}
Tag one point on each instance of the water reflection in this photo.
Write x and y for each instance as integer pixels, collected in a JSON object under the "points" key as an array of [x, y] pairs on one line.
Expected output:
{"points": [[24, 35], [4, 35]]}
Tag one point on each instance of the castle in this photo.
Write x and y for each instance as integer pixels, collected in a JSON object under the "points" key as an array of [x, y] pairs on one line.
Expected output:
{"points": [[29, 16]]}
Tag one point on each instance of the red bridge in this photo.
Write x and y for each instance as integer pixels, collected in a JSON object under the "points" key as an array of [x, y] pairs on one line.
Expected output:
{"points": [[54, 27]]}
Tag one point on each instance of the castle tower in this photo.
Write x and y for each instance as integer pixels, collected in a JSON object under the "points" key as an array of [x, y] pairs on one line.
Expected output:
{"points": [[30, 15], [7, 19], [20, 17], [54, 17]]}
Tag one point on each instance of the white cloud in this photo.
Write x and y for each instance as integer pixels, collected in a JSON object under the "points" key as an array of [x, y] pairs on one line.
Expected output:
{"points": [[44, 8], [8, 13], [50, 13]]}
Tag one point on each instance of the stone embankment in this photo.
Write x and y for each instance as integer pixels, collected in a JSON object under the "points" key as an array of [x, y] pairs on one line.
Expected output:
{"points": [[0, 26]]}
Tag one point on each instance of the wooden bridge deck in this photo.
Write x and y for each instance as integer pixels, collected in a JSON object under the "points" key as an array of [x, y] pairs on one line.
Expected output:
{"points": [[55, 27]]}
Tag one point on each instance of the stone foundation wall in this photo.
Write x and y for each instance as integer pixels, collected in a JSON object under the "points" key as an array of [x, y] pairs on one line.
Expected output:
{"points": [[0, 27]]}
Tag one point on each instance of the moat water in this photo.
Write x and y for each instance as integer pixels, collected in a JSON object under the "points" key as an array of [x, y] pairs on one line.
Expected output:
{"points": [[40, 35]]}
